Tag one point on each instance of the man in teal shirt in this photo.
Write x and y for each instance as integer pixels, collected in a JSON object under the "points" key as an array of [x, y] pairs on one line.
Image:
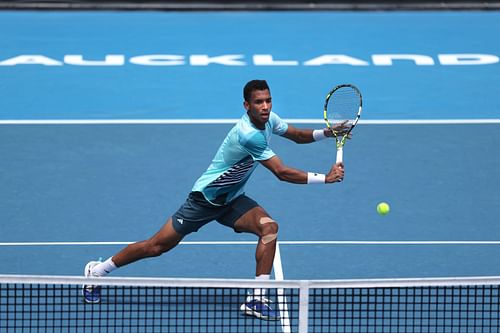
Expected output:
{"points": [[219, 195]]}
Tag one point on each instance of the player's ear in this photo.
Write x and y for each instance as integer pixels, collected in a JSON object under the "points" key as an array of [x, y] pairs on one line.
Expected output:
{"points": [[246, 105]]}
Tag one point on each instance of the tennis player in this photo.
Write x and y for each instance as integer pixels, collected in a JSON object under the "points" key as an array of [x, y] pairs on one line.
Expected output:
{"points": [[218, 195]]}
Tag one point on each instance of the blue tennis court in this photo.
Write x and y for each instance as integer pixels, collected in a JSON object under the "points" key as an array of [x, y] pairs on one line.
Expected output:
{"points": [[108, 118]]}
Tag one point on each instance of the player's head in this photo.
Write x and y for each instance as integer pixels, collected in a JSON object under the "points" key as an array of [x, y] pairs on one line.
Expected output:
{"points": [[258, 102], [253, 85]]}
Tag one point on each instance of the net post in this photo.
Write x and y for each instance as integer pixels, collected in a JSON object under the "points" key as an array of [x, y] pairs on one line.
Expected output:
{"points": [[303, 306]]}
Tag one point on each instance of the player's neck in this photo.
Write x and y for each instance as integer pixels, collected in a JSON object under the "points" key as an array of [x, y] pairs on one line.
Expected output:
{"points": [[256, 123]]}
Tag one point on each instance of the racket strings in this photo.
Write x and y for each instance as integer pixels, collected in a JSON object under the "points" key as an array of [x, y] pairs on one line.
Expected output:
{"points": [[343, 104]]}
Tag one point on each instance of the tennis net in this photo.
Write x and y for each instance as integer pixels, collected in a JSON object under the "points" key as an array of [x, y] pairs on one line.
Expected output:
{"points": [[55, 304]]}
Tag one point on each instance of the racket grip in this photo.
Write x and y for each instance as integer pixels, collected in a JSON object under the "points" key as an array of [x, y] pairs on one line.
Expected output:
{"points": [[340, 154]]}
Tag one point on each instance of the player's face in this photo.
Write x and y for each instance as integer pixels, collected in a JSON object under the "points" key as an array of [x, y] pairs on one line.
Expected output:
{"points": [[259, 107]]}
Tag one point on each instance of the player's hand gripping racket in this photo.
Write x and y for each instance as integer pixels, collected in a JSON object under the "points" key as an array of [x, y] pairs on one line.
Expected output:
{"points": [[343, 104]]}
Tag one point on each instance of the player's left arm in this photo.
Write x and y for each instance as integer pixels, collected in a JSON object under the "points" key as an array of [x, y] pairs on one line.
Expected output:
{"points": [[299, 135]]}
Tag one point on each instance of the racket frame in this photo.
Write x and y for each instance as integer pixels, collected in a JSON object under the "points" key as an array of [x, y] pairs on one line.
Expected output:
{"points": [[341, 141]]}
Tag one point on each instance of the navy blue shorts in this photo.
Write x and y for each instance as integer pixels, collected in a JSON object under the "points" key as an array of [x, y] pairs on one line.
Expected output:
{"points": [[197, 211]]}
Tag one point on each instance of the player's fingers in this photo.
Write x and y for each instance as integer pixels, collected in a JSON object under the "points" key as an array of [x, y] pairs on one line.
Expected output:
{"points": [[342, 126], [341, 174]]}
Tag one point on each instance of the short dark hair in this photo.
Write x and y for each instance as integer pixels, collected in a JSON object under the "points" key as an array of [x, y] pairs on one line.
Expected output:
{"points": [[253, 85]]}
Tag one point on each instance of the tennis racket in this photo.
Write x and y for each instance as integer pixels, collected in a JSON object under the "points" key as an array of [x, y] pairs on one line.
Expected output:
{"points": [[343, 103]]}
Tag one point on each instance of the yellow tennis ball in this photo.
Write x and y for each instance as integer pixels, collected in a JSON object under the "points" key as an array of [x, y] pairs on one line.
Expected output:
{"points": [[383, 208]]}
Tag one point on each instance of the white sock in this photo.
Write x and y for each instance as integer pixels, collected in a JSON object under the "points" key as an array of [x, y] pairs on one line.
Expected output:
{"points": [[104, 268], [258, 292]]}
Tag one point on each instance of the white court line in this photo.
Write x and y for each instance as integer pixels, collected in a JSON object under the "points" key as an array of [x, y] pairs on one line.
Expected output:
{"points": [[392, 242], [282, 301], [326, 242], [232, 121]]}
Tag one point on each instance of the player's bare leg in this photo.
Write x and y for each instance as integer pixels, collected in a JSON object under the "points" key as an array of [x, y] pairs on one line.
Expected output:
{"points": [[163, 241], [258, 222]]}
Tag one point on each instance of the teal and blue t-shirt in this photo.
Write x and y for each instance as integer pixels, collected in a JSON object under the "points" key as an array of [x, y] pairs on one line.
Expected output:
{"points": [[236, 159]]}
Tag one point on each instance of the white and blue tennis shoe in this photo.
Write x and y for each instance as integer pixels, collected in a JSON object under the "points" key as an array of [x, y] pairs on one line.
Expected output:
{"points": [[259, 307], [91, 294]]}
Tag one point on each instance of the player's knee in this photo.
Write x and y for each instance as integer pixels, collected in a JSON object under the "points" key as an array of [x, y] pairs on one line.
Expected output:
{"points": [[155, 250], [269, 230]]}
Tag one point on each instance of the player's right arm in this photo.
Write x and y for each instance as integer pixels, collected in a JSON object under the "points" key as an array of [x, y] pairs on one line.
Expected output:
{"points": [[296, 176]]}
